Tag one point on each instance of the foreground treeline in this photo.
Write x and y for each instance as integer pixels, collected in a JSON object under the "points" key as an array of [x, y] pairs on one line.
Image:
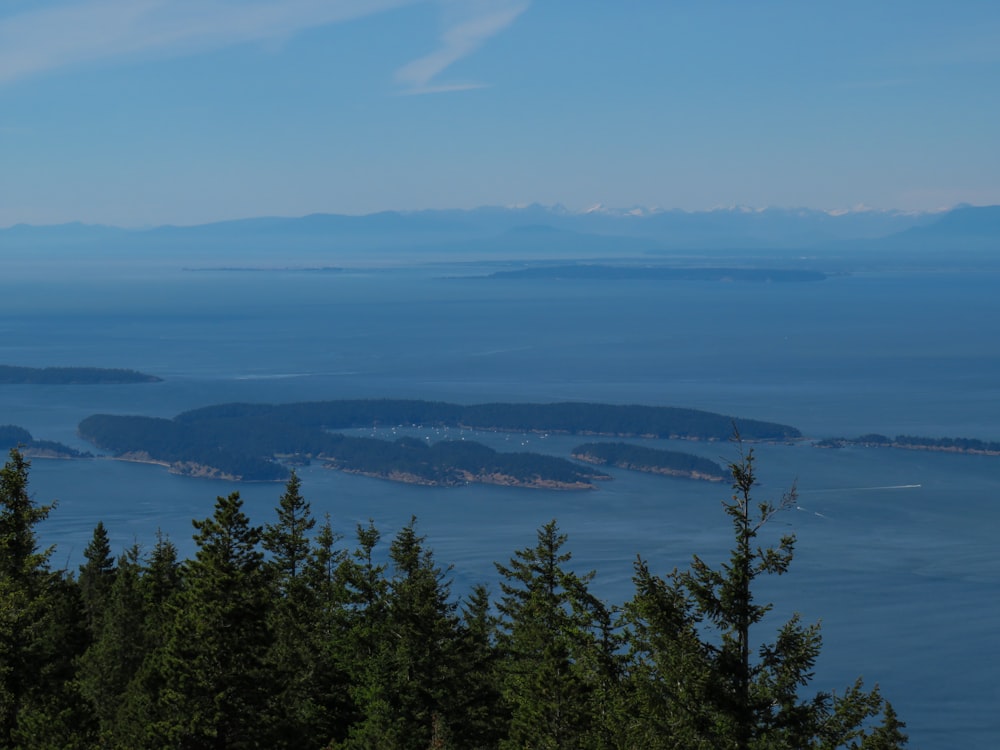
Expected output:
{"points": [[287, 636]]}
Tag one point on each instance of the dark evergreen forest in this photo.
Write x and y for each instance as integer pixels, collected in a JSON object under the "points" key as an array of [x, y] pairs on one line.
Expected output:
{"points": [[290, 635]]}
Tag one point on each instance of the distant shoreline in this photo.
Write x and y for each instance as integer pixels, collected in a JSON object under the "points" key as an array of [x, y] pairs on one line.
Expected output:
{"points": [[14, 375], [495, 478], [649, 461], [964, 446], [265, 269]]}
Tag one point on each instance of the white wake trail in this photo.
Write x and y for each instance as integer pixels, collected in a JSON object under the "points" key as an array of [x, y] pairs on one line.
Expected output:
{"points": [[864, 489]]}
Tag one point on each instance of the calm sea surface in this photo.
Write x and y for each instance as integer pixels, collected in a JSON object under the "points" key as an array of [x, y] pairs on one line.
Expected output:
{"points": [[897, 551]]}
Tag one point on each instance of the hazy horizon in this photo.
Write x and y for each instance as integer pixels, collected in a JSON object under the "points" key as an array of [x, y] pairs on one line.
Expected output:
{"points": [[173, 113], [633, 211]]}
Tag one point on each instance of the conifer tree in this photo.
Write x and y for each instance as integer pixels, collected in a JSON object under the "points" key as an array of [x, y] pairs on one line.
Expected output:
{"points": [[423, 629], [888, 735], [118, 648], [20, 558], [96, 577], [692, 637], [546, 632], [41, 628], [330, 710], [215, 692], [308, 709], [602, 665], [483, 718], [367, 654], [161, 581], [288, 539], [366, 602], [142, 709]]}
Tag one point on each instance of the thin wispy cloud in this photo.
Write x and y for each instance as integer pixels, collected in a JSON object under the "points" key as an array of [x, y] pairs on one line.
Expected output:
{"points": [[468, 24], [68, 34]]}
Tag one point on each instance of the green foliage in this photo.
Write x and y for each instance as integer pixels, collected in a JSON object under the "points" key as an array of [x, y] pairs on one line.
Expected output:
{"points": [[550, 642], [97, 576], [700, 684], [288, 539], [478, 682], [20, 559], [212, 665], [309, 704], [118, 646], [41, 627], [888, 735], [311, 647]]}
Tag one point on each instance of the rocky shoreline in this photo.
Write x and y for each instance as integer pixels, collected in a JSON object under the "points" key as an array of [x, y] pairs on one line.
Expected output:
{"points": [[647, 469], [502, 480]]}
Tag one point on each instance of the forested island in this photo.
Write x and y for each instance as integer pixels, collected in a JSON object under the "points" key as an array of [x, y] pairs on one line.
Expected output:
{"points": [[569, 417], [255, 441], [912, 442], [258, 449], [11, 375], [650, 460], [12, 436], [659, 273]]}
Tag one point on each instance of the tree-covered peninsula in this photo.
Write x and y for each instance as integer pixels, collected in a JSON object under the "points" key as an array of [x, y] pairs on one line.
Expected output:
{"points": [[12, 436], [254, 441], [11, 375], [650, 460]]}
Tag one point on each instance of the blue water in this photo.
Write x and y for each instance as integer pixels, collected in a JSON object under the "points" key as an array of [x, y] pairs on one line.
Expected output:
{"points": [[896, 551]]}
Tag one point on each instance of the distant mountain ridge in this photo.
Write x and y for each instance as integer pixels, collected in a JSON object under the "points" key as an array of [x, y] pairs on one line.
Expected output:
{"points": [[496, 219], [529, 231]]}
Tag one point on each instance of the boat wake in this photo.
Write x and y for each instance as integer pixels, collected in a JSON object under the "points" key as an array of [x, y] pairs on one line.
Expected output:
{"points": [[276, 376], [864, 489], [806, 510]]}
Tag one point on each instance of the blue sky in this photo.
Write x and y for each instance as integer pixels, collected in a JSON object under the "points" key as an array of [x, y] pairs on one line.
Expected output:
{"points": [[140, 112]]}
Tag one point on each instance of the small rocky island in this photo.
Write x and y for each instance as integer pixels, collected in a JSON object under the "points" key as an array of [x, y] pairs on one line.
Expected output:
{"points": [[11, 375]]}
